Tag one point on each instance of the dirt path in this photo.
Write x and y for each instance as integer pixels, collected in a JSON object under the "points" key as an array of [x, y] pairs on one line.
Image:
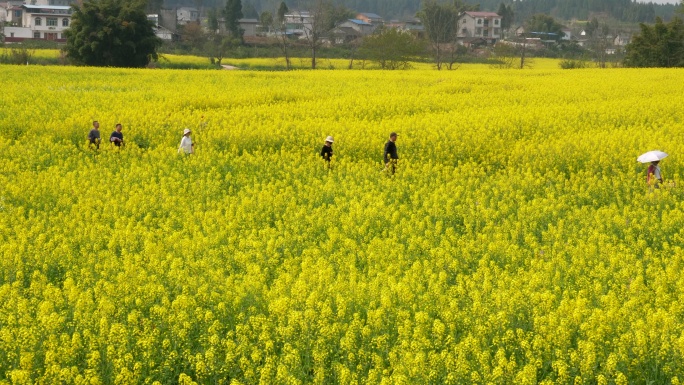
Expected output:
{"points": [[227, 67]]}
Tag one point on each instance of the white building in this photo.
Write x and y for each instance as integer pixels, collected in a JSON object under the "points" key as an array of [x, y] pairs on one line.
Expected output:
{"points": [[479, 25], [186, 15], [46, 22], [298, 23], [159, 31]]}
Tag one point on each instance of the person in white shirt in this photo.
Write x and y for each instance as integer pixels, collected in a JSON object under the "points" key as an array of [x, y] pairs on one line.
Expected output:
{"points": [[186, 145]]}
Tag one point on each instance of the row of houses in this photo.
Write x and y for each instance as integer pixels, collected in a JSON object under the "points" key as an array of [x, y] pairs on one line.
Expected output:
{"points": [[48, 20], [484, 26]]}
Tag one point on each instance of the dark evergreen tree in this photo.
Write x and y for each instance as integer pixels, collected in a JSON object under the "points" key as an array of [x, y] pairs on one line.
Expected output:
{"points": [[112, 33], [660, 45], [232, 13]]}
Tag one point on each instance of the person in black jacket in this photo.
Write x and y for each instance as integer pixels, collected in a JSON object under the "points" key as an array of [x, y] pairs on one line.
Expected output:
{"points": [[327, 150], [117, 136], [390, 156]]}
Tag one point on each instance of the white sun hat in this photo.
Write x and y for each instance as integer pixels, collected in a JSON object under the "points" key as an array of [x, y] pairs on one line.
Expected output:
{"points": [[186, 131], [329, 139]]}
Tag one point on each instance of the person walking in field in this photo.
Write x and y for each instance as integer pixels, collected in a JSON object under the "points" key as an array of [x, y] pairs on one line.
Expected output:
{"points": [[94, 135], [654, 176], [117, 136], [186, 146], [327, 150], [390, 155]]}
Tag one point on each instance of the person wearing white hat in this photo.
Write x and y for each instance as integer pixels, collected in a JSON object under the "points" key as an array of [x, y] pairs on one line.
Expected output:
{"points": [[186, 145], [653, 175], [327, 151]]}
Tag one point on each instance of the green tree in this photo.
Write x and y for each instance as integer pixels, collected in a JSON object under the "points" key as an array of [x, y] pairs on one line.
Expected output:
{"points": [[112, 33], [392, 48], [660, 45], [506, 13], [213, 20], [282, 10], [266, 20], [545, 26], [218, 45], [193, 36], [232, 14], [278, 25]]}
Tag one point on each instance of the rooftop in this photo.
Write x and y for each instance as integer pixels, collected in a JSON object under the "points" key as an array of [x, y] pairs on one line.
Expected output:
{"points": [[482, 14], [55, 7], [370, 15], [360, 22]]}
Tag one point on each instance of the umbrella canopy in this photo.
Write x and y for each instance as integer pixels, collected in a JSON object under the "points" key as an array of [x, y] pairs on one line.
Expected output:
{"points": [[651, 156]]}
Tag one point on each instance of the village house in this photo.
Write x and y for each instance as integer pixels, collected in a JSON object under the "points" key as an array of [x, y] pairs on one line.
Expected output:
{"points": [[415, 26], [370, 18], [621, 40], [248, 26], [185, 15], [484, 26], [44, 22], [297, 23], [160, 31], [343, 35], [359, 26]]}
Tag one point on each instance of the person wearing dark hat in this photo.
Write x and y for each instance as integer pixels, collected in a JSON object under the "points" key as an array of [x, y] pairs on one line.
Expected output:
{"points": [[327, 150], [390, 156]]}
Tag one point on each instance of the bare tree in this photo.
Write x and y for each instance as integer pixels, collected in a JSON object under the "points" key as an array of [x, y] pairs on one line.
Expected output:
{"points": [[599, 42], [324, 16], [280, 29], [441, 27]]}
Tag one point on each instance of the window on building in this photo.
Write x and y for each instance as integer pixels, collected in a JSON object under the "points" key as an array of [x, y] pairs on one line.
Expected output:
{"points": [[464, 31], [36, 35], [17, 14], [496, 21], [65, 22], [39, 21], [478, 32], [51, 21], [479, 21], [485, 33], [496, 31], [11, 34]]}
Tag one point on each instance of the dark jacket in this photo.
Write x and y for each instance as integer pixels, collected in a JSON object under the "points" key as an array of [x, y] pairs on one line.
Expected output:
{"points": [[327, 153], [390, 151]]}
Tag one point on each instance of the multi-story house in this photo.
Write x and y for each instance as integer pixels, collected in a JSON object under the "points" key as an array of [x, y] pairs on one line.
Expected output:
{"points": [[46, 22], [479, 25], [185, 15], [299, 23]]}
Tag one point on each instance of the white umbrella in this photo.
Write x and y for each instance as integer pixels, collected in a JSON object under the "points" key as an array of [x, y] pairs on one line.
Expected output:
{"points": [[651, 156]]}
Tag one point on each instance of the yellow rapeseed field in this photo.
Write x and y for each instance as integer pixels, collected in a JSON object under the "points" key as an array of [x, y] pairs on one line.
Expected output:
{"points": [[518, 242]]}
